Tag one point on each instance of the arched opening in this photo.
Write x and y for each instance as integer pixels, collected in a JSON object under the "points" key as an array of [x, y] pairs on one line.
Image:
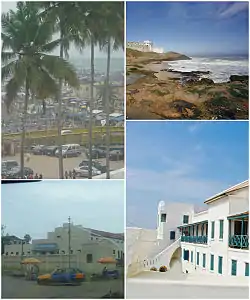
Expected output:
{"points": [[175, 262]]}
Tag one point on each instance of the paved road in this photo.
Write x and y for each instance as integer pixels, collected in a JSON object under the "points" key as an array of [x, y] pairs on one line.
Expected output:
{"points": [[168, 290], [20, 288], [48, 166]]}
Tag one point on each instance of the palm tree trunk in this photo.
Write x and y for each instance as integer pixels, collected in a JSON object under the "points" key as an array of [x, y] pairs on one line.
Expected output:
{"points": [[92, 59], [107, 111], [23, 128], [59, 120]]}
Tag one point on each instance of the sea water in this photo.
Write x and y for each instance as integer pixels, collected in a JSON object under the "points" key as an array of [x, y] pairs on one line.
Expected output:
{"points": [[221, 68]]}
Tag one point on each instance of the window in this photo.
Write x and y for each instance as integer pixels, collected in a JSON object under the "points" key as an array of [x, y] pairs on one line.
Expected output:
{"points": [[234, 267], [172, 235], [185, 219], [221, 229], [198, 258], [163, 218], [186, 255], [212, 262], [220, 264], [212, 230], [204, 261], [192, 256], [17, 253], [89, 258], [246, 269], [7, 253], [113, 251]]}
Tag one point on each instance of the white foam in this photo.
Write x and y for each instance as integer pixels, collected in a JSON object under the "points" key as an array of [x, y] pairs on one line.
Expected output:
{"points": [[221, 69]]}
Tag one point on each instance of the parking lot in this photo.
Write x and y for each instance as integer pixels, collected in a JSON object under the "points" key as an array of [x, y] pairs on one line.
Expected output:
{"points": [[20, 288], [48, 166]]}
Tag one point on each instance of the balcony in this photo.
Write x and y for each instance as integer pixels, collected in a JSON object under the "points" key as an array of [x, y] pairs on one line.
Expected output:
{"points": [[194, 239], [238, 241]]}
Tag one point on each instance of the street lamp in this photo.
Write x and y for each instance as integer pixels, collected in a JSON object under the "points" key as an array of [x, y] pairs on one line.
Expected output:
{"points": [[69, 232]]}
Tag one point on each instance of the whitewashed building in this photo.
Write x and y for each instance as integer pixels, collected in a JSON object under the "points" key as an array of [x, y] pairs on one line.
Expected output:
{"points": [[212, 241], [217, 240]]}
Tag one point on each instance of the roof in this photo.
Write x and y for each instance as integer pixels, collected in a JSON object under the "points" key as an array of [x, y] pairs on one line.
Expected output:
{"points": [[10, 238], [234, 188], [242, 214], [116, 174], [110, 235]]}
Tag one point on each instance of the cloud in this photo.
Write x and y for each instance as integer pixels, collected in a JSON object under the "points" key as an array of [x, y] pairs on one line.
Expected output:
{"points": [[233, 10]]}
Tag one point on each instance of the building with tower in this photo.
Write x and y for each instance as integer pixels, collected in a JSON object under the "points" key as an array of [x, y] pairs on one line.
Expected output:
{"points": [[213, 241], [146, 46]]}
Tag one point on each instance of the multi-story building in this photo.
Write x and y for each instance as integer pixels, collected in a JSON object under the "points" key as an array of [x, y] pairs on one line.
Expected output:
{"points": [[212, 241], [146, 46], [217, 240], [82, 240]]}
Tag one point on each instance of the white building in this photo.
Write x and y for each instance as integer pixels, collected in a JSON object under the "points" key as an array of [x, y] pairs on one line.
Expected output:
{"points": [[217, 240], [213, 241]]}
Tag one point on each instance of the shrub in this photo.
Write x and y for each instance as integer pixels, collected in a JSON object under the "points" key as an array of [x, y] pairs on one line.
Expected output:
{"points": [[153, 269], [163, 269]]}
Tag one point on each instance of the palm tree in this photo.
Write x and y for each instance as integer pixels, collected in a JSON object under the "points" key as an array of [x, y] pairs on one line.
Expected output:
{"points": [[101, 95], [114, 26], [65, 19], [26, 42], [27, 238]]}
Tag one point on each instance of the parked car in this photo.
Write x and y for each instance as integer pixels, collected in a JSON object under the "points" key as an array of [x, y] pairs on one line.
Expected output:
{"points": [[96, 153], [16, 172], [9, 164], [63, 132], [95, 164], [83, 171], [72, 276], [70, 150], [50, 150], [116, 155], [38, 150]]}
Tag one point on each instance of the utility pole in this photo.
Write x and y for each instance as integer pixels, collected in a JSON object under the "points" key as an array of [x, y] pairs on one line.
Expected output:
{"points": [[69, 240]]}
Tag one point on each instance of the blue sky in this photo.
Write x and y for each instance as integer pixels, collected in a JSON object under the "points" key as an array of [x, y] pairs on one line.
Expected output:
{"points": [[182, 162], [37, 208], [192, 28]]}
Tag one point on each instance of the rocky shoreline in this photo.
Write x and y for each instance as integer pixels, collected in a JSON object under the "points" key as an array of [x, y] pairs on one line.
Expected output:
{"points": [[160, 93]]}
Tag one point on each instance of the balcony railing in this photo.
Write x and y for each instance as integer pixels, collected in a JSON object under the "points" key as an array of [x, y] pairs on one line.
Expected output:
{"points": [[194, 239], [239, 241]]}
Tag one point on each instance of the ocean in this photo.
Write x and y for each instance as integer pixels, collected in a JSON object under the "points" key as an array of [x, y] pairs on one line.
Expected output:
{"points": [[221, 68]]}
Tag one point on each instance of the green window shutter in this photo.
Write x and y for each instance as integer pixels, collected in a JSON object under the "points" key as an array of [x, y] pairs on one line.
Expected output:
{"points": [[204, 260], [198, 258], [185, 219], [212, 262], [220, 264], [192, 256], [212, 230], [221, 228], [246, 269], [234, 267]]}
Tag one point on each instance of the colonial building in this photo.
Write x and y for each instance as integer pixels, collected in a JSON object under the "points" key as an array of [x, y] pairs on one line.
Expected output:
{"points": [[217, 240]]}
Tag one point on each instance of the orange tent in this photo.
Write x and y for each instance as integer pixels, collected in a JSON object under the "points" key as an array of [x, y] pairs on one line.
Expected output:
{"points": [[107, 260]]}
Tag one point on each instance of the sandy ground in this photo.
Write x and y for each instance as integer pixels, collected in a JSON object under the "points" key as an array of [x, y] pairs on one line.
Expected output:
{"points": [[48, 166], [20, 288]]}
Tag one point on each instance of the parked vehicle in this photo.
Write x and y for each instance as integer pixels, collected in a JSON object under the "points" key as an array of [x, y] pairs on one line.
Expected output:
{"points": [[70, 150], [63, 132], [95, 164], [16, 172], [50, 150], [9, 164], [116, 155], [83, 171], [108, 274], [38, 150], [96, 153], [72, 276]]}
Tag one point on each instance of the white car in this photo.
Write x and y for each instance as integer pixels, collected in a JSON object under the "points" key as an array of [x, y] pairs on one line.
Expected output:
{"points": [[83, 171]]}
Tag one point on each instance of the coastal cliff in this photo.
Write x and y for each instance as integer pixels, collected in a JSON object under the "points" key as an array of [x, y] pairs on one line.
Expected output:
{"points": [[157, 92]]}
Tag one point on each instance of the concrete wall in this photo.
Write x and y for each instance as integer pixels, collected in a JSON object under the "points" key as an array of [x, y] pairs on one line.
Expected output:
{"points": [[242, 257], [239, 201], [199, 217]]}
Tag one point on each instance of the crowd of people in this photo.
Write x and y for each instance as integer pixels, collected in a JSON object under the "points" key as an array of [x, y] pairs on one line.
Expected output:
{"points": [[70, 174]]}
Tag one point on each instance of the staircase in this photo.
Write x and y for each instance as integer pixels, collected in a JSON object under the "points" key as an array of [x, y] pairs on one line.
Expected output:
{"points": [[163, 258]]}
